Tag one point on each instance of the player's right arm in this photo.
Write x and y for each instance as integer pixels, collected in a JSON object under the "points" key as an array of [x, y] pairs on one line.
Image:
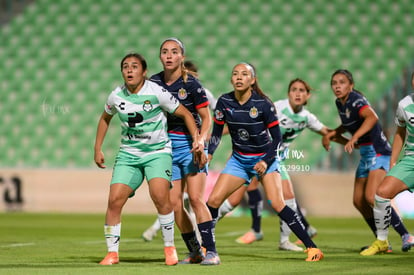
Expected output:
{"points": [[334, 135], [103, 126]]}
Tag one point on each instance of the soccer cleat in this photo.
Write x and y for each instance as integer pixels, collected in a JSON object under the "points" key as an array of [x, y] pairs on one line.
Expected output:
{"points": [[195, 257], [407, 242], [287, 245], [312, 232], [314, 254], [171, 257], [110, 259], [377, 247], [389, 250], [250, 237], [149, 234], [211, 258]]}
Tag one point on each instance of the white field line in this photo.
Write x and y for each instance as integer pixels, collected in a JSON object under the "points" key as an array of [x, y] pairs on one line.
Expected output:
{"points": [[17, 245]]}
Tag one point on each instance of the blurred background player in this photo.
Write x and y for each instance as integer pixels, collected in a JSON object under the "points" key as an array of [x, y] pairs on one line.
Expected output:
{"points": [[138, 104], [360, 120]]}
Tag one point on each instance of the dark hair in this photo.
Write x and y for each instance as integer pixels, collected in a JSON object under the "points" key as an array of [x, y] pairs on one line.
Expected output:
{"points": [[137, 56], [345, 72], [191, 66], [255, 86], [307, 87], [348, 75]]}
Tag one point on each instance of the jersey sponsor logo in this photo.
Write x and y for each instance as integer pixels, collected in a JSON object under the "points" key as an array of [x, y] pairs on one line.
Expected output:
{"points": [[121, 106], [134, 118], [147, 106], [243, 134], [182, 94], [253, 113]]}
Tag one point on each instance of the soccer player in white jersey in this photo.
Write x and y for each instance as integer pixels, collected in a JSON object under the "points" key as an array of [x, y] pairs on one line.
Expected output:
{"points": [[145, 151], [401, 174], [294, 118]]}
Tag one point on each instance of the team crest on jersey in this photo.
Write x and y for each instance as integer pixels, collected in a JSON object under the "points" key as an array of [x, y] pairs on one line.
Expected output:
{"points": [[182, 94], [253, 113], [147, 106], [218, 114]]}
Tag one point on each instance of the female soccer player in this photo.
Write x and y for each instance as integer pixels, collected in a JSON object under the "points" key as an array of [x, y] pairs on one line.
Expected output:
{"points": [[254, 129], [145, 151], [189, 92], [401, 174], [151, 231], [294, 118], [359, 119]]}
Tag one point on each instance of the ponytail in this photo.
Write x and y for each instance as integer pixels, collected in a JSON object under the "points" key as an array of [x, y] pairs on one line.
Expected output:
{"points": [[184, 72]]}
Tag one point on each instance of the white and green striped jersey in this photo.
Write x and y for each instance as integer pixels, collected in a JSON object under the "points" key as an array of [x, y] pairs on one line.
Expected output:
{"points": [[143, 118], [292, 124], [405, 118]]}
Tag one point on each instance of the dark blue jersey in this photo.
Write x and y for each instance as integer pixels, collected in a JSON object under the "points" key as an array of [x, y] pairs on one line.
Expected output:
{"points": [[352, 121], [190, 94], [253, 126]]}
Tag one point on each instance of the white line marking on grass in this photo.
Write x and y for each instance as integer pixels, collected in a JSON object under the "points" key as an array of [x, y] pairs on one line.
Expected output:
{"points": [[17, 244], [103, 241]]}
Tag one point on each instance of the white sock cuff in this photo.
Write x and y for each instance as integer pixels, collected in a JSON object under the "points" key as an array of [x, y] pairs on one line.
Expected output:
{"points": [[292, 204], [112, 230], [228, 205], [166, 219], [379, 199]]}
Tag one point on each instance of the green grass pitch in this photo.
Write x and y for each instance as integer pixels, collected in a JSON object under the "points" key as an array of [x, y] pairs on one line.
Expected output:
{"points": [[74, 244]]}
